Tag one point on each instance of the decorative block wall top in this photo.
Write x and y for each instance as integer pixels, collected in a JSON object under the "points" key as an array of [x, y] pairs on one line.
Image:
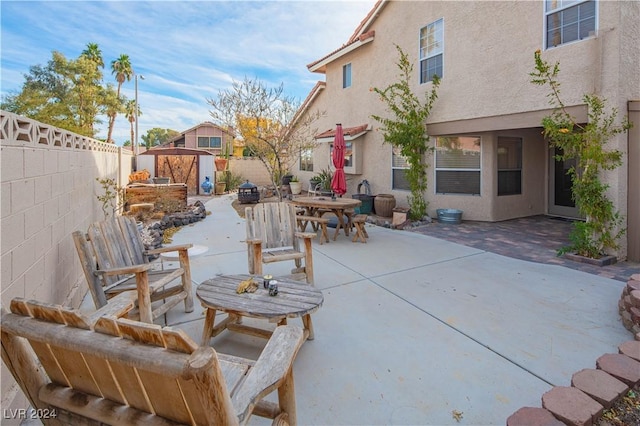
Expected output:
{"points": [[18, 130]]}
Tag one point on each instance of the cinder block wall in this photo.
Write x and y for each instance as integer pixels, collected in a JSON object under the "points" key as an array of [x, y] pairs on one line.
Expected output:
{"points": [[48, 190], [250, 168]]}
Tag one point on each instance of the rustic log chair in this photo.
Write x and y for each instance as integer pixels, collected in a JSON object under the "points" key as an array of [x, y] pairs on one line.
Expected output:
{"points": [[119, 371], [114, 260], [272, 237]]}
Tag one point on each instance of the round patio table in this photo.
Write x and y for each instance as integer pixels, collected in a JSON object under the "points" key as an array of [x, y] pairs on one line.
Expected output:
{"points": [[317, 206], [294, 299]]}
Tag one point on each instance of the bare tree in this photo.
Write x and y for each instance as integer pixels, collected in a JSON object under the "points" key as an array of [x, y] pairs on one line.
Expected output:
{"points": [[274, 127]]}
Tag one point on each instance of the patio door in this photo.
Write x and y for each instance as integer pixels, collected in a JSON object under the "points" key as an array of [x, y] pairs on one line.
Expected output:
{"points": [[560, 200]]}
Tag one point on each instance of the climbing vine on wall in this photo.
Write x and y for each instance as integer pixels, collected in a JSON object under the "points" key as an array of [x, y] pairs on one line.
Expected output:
{"points": [[586, 143], [407, 130]]}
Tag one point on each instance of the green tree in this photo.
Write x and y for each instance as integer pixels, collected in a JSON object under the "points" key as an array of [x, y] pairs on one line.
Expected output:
{"points": [[407, 129], [158, 136], [586, 143], [130, 112], [66, 93], [90, 92], [94, 53], [87, 92], [271, 124], [121, 68]]}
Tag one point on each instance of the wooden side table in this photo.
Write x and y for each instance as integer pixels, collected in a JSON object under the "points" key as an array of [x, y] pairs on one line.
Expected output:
{"points": [[295, 299]]}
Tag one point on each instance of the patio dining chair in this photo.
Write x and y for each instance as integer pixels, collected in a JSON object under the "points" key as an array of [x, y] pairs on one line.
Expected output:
{"points": [[272, 237]]}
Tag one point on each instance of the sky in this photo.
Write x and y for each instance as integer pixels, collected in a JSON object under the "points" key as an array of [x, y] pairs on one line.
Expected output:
{"points": [[186, 51]]}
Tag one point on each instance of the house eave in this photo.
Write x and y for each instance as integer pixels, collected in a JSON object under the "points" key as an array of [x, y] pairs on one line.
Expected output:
{"points": [[347, 138], [350, 133], [321, 66]]}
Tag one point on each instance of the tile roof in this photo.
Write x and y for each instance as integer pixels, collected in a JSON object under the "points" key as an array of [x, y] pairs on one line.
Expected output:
{"points": [[362, 37], [367, 20], [347, 131], [320, 85], [359, 35]]}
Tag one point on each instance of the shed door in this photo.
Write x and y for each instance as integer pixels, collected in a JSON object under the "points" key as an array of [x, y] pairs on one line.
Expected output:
{"points": [[181, 169]]}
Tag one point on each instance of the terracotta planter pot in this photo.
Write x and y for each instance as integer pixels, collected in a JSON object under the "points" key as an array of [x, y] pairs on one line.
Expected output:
{"points": [[220, 187], [384, 204], [221, 164]]}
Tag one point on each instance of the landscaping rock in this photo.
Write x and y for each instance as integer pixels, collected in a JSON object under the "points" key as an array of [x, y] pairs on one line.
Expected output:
{"points": [[621, 367], [599, 385], [533, 416], [153, 232], [631, 349], [571, 405], [629, 304]]}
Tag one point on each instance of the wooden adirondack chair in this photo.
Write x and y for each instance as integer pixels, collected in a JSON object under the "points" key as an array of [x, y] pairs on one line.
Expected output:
{"points": [[272, 237], [114, 260], [123, 372]]}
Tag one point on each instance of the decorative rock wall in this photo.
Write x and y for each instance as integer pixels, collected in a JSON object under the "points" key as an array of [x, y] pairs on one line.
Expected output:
{"points": [[629, 305], [153, 232]]}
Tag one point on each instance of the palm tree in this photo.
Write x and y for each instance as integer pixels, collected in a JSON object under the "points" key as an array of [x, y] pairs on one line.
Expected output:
{"points": [[130, 111], [94, 53], [121, 68]]}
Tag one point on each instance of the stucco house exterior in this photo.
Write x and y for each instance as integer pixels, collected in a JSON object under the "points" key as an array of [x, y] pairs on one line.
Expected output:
{"points": [[206, 136], [487, 107]]}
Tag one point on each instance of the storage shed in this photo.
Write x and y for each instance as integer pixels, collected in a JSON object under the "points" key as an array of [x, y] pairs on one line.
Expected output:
{"points": [[181, 165]]}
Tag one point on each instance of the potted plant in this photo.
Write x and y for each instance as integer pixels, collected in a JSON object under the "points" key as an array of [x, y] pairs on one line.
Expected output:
{"points": [[221, 164], [222, 161], [295, 185], [220, 187], [286, 178], [313, 182], [322, 182]]}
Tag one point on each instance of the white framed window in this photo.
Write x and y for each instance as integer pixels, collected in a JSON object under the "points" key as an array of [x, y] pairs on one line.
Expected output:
{"points": [[569, 20], [431, 51], [509, 166], [348, 154], [209, 142], [346, 76], [399, 166], [458, 165], [306, 160]]}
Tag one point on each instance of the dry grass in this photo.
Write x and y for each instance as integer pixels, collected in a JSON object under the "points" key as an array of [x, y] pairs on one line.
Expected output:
{"points": [[625, 411]]}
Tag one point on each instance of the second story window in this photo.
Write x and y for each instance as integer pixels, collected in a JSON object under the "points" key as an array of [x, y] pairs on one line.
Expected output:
{"points": [[209, 142], [431, 51], [346, 76], [569, 20]]}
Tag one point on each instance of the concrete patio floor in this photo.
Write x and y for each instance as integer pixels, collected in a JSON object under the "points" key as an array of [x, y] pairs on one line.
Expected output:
{"points": [[415, 329]]}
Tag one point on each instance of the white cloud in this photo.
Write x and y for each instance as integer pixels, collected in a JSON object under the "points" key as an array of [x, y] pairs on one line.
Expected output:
{"points": [[186, 50]]}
